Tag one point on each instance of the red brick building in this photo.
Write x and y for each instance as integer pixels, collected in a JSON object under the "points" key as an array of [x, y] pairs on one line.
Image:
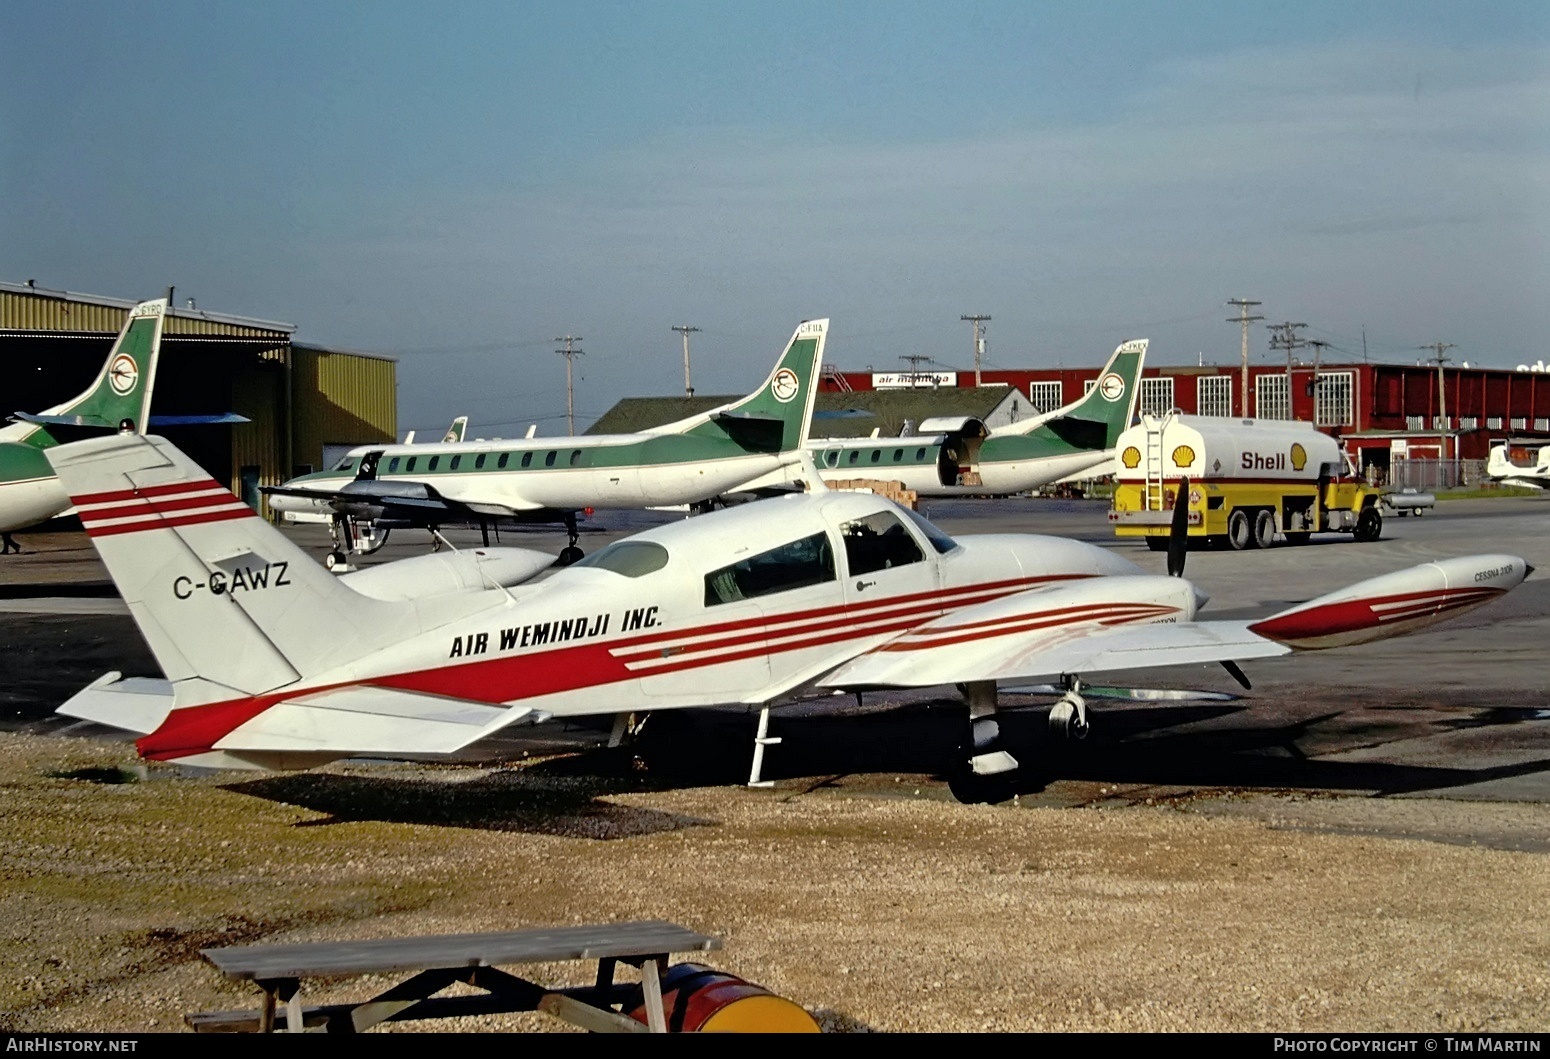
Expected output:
{"points": [[1381, 412]]}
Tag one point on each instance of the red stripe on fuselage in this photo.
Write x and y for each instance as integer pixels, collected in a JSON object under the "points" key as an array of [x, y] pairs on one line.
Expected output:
{"points": [[195, 729]]}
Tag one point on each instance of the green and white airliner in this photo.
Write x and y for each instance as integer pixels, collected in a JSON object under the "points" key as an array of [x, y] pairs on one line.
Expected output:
{"points": [[119, 399], [694, 460]]}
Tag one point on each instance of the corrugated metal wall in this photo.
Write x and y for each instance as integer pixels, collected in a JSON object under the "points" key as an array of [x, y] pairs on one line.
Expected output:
{"points": [[325, 397]]}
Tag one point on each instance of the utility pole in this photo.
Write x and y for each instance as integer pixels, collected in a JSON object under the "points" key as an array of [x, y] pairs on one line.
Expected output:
{"points": [[979, 342], [1245, 319], [1286, 338], [1318, 345], [915, 361], [684, 330], [1442, 394], [570, 353]]}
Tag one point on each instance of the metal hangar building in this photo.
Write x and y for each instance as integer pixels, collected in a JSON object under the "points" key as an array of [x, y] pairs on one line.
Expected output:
{"points": [[301, 400]]}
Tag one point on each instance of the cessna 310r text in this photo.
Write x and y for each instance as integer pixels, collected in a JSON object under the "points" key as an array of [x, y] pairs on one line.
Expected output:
{"points": [[272, 662], [756, 439]]}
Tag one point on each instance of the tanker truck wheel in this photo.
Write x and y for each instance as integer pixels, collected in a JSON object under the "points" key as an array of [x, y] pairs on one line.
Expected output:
{"points": [[1369, 525], [1240, 532], [1264, 529]]}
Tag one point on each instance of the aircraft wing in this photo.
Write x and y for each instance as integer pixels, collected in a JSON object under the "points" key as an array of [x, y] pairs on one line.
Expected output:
{"points": [[930, 655], [396, 499]]}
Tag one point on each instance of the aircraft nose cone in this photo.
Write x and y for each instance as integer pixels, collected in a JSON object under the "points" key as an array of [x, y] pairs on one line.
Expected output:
{"points": [[1527, 569]]}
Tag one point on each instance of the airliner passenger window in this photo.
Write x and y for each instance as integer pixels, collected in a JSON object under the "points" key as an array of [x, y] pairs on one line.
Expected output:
{"points": [[898, 454], [809, 561], [431, 466], [479, 462], [550, 458], [831, 458], [412, 461], [527, 459], [500, 464], [392, 465], [455, 461], [920, 454], [877, 454], [630, 558], [575, 457], [878, 542]]}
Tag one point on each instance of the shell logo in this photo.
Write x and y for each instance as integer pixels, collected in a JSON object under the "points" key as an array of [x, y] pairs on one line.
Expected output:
{"points": [[1183, 456], [1131, 457], [1299, 457]]}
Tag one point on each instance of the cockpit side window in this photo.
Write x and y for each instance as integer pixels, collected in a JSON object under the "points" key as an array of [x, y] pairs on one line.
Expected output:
{"points": [[938, 538], [809, 561], [877, 542]]}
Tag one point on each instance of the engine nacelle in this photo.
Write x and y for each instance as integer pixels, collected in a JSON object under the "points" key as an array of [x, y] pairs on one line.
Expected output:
{"points": [[445, 573]]}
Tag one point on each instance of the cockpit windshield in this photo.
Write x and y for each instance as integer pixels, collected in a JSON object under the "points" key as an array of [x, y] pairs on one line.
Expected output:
{"points": [[939, 540], [630, 558]]}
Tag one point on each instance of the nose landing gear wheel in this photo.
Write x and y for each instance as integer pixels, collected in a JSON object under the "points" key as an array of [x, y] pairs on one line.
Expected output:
{"points": [[1068, 718]]}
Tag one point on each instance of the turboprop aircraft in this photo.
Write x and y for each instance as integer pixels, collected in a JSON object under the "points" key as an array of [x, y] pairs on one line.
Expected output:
{"points": [[1504, 472], [272, 662], [485, 483], [119, 398], [1077, 437]]}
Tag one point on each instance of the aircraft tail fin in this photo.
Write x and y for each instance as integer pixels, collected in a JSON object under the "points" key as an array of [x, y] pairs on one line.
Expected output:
{"points": [[120, 396], [230, 607], [777, 416], [1097, 418]]}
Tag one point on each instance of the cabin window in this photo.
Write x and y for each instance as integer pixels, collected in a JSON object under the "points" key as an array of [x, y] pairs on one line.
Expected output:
{"points": [[479, 462], [809, 561], [431, 466], [831, 458], [455, 461], [575, 457], [878, 542], [550, 458], [630, 558], [392, 465], [409, 465], [855, 454], [500, 464], [920, 454], [877, 454], [527, 459], [898, 455]]}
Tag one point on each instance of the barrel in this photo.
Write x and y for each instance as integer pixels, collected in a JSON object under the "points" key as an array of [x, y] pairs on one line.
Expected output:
{"points": [[698, 999]]}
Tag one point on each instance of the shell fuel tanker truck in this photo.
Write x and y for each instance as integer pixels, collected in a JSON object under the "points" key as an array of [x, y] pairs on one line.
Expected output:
{"points": [[1251, 482]]}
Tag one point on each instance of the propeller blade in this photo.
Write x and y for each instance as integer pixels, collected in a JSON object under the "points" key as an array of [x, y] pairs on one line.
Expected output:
{"points": [[1178, 530], [1237, 674], [1100, 691]]}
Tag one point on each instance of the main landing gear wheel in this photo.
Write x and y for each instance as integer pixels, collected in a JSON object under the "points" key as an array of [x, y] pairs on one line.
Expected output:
{"points": [[1240, 532], [1068, 717], [971, 788], [335, 560], [569, 554]]}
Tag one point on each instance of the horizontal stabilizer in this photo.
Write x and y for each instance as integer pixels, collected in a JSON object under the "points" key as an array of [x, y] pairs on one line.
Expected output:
{"points": [[213, 419], [368, 720], [757, 433], [138, 704], [88, 421]]}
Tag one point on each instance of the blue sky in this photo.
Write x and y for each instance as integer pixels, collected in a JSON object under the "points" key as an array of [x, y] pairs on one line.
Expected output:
{"points": [[457, 184]]}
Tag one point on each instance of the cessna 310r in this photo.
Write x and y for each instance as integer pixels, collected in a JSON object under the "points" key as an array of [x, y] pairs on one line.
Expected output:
{"points": [[272, 662], [758, 438]]}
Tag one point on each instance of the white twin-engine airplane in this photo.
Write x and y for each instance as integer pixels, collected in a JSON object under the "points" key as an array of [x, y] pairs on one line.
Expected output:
{"points": [[755, 441], [273, 662], [1503, 471]]}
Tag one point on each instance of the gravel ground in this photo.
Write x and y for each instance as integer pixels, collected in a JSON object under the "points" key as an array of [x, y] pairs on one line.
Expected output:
{"points": [[879, 905]]}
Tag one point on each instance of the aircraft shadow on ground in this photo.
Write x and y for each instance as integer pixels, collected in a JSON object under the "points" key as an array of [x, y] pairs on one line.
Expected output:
{"points": [[1188, 746], [502, 800]]}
